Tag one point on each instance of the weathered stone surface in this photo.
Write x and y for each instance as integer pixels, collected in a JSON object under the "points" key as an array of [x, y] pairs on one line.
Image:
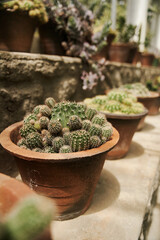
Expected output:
{"points": [[124, 195]]}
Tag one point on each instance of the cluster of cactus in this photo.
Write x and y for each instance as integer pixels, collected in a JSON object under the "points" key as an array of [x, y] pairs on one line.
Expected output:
{"points": [[27, 219], [137, 89], [35, 8], [63, 127], [117, 101]]}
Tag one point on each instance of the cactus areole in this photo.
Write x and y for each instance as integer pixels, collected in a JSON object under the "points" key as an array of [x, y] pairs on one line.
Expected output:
{"points": [[63, 162]]}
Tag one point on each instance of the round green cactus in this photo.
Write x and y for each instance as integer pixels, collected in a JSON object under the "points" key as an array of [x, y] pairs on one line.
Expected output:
{"points": [[99, 119], [47, 139], [49, 149], [22, 142], [54, 126], [65, 149], [79, 140], [50, 102], [90, 113], [45, 111], [27, 129], [31, 118], [107, 132], [57, 143], [95, 129], [34, 140], [95, 141], [37, 150], [74, 123], [86, 124], [43, 121]]}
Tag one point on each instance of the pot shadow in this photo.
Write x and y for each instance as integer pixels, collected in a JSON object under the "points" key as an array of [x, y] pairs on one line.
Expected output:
{"points": [[147, 127], [107, 191], [135, 150]]}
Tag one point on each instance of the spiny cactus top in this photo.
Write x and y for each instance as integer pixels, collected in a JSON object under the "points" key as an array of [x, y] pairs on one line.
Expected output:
{"points": [[117, 101], [63, 127], [137, 89]]}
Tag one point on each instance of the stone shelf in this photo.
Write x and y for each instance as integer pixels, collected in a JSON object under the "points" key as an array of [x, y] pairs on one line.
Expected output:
{"points": [[124, 195]]}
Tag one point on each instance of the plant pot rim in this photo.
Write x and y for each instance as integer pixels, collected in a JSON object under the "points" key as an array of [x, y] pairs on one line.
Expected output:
{"points": [[12, 148], [120, 44], [126, 116], [153, 95], [147, 54]]}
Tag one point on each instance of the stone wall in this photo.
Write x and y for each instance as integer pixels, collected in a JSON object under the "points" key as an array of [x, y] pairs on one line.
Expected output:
{"points": [[27, 79]]}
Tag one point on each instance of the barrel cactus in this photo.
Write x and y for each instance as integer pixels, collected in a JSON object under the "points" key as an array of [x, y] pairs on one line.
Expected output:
{"points": [[63, 127]]}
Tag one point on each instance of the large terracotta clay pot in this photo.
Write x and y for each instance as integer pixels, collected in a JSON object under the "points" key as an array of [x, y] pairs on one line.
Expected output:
{"points": [[132, 53], [147, 59], [16, 31], [126, 126], [50, 41], [152, 102], [70, 178], [142, 122], [119, 52]]}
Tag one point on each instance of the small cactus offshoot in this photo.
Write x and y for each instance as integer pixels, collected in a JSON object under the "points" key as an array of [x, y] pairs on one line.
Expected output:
{"points": [[63, 127]]}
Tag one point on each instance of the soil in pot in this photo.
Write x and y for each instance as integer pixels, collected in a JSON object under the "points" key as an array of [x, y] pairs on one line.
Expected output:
{"points": [[152, 102], [119, 52], [70, 178], [16, 31]]}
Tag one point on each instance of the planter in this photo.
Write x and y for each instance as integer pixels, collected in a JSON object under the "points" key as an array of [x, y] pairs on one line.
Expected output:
{"points": [[16, 31], [50, 42], [142, 122], [119, 52], [152, 103], [70, 178], [147, 59], [132, 53], [126, 126]]}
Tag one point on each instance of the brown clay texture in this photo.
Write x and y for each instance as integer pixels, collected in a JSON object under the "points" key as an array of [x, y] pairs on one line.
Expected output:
{"points": [[126, 126], [147, 59], [16, 31], [119, 52], [152, 103], [70, 179]]}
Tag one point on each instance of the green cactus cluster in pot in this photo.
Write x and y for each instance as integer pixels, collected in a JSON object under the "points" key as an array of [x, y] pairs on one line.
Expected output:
{"points": [[34, 8], [137, 89], [117, 101], [63, 127]]}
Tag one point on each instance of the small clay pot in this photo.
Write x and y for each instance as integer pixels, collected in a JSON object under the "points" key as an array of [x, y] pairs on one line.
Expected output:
{"points": [[126, 126], [147, 59], [132, 53], [142, 122], [70, 178], [16, 31], [119, 52], [152, 102]]}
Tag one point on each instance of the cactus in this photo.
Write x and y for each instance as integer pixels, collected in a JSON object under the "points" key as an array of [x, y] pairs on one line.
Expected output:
{"points": [[90, 112], [37, 150], [64, 110], [117, 95], [79, 140], [66, 137], [49, 149], [57, 143], [65, 149], [47, 139], [86, 124], [27, 129], [74, 123], [22, 142], [36, 109], [28, 218], [54, 126], [107, 132], [43, 121], [95, 129], [50, 102], [34, 140], [65, 130], [95, 141], [45, 111], [99, 119], [31, 118], [37, 125]]}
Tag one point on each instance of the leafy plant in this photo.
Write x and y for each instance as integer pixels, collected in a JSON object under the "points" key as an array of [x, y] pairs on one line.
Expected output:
{"points": [[35, 8]]}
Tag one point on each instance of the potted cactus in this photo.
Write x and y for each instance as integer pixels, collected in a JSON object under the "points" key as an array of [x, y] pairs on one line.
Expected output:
{"points": [[150, 99], [119, 50], [18, 19], [60, 149], [124, 112]]}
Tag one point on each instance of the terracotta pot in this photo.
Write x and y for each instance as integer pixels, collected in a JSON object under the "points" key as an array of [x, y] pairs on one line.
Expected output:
{"points": [[16, 31], [101, 54], [50, 41], [147, 59], [126, 126], [142, 122], [70, 178], [152, 103], [137, 58], [119, 52], [132, 53]]}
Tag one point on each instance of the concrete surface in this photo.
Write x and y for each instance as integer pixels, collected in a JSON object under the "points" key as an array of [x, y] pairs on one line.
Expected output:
{"points": [[123, 202]]}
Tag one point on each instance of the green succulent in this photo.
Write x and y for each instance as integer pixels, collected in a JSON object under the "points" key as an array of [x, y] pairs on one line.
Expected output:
{"points": [[27, 129], [65, 149], [79, 140], [34, 140]]}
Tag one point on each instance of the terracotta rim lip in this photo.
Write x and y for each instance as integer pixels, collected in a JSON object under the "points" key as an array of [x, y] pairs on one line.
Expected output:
{"points": [[12, 148], [126, 116], [153, 95]]}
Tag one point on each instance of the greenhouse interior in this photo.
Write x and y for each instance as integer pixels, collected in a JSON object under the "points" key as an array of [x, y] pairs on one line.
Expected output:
{"points": [[80, 110]]}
